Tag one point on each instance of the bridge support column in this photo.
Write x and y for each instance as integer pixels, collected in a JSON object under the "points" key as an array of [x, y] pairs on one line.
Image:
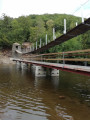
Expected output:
{"points": [[54, 72], [40, 71], [32, 67], [18, 63], [24, 65]]}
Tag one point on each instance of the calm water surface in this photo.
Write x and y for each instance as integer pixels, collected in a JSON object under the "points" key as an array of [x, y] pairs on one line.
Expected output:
{"points": [[25, 97]]}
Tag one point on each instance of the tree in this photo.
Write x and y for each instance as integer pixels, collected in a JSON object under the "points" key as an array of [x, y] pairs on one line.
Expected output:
{"points": [[50, 24]]}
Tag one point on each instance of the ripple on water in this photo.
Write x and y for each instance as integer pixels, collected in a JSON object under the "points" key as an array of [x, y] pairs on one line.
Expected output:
{"points": [[27, 104], [24, 98], [61, 111]]}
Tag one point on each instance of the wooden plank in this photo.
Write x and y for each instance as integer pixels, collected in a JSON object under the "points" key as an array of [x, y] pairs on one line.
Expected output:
{"points": [[67, 59], [60, 53], [81, 54]]}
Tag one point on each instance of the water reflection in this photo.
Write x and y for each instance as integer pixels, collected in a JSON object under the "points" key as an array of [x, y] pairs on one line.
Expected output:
{"points": [[24, 97], [55, 81]]}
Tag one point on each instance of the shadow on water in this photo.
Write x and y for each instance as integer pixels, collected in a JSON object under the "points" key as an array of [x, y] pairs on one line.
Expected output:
{"points": [[24, 97]]}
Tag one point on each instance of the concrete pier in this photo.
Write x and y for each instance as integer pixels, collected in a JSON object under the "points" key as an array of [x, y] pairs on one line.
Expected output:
{"points": [[54, 72], [24, 65], [40, 71]]}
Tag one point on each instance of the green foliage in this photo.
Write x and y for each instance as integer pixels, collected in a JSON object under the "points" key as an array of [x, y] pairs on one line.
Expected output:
{"points": [[33, 27]]}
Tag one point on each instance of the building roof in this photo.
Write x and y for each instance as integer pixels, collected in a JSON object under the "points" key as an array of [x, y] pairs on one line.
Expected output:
{"points": [[26, 44], [16, 44]]}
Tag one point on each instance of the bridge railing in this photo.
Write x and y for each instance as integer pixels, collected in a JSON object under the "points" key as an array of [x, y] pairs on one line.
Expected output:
{"points": [[81, 57]]}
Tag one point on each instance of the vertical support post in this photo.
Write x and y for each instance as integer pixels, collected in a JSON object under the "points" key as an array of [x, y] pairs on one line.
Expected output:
{"points": [[40, 43], [85, 63], [54, 37], [63, 60], [76, 23], [53, 33], [46, 39], [30, 49], [36, 45], [82, 14], [64, 26]]}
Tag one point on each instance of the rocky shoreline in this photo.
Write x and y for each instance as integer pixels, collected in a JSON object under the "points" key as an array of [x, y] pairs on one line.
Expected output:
{"points": [[5, 58]]}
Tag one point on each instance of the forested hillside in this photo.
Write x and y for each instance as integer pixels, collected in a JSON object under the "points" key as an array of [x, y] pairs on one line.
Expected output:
{"points": [[32, 28]]}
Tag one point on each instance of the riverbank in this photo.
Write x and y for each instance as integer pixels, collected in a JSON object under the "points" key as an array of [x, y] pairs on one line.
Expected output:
{"points": [[5, 57]]}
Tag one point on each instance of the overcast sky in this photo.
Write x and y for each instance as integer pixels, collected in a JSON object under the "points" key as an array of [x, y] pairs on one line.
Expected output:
{"points": [[16, 8]]}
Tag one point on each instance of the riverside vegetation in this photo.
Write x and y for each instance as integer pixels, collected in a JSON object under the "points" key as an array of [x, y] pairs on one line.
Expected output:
{"points": [[33, 27]]}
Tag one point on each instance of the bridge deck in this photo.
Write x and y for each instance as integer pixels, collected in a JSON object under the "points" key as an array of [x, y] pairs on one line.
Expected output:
{"points": [[64, 67]]}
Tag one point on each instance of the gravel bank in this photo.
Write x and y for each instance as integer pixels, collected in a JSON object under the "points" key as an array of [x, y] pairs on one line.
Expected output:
{"points": [[5, 58]]}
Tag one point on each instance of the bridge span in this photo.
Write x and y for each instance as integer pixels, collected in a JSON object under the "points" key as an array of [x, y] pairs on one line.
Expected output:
{"points": [[46, 60], [79, 29], [60, 61], [69, 68]]}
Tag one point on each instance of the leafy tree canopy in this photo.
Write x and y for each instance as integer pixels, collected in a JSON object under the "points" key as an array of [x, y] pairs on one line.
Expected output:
{"points": [[33, 27]]}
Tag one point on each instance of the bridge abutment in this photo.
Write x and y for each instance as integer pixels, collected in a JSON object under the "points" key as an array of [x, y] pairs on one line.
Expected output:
{"points": [[16, 46]]}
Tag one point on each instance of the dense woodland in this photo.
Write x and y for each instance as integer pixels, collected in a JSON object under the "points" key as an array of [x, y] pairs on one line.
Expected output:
{"points": [[33, 27]]}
